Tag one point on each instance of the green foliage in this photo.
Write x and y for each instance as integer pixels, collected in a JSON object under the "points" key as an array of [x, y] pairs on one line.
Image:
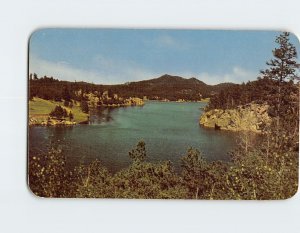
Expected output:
{"points": [[66, 103], [59, 112], [48, 175], [138, 154], [276, 86], [66, 93], [283, 69], [255, 175], [194, 172], [261, 169], [284, 65], [71, 116], [84, 106], [38, 107], [164, 87], [94, 181], [147, 180], [71, 104], [258, 91]]}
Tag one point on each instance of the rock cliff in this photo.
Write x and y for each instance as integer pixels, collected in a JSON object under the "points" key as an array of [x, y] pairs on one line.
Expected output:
{"points": [[105, 101], [47, 121], [251, 117]]}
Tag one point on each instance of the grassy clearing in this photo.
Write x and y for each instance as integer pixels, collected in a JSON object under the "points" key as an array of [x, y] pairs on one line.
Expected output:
{"points": [[40, 108], [205, 100]]}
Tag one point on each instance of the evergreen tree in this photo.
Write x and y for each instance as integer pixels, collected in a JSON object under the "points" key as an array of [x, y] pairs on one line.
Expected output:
{"points": [[194, 172], [66, 94], [66, 103], [138, 154], [59, 112], [283, 70], [84, 106], [71, 116], [284, 65]]}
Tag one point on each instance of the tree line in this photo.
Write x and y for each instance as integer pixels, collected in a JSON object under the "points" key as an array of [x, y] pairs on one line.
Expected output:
{"points": [[251, 174], [278, 86], [165, 87], [258, 170]]}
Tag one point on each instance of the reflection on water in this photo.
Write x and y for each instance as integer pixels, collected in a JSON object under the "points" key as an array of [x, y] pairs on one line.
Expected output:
{"points": [[168, 130], [100, 115]]}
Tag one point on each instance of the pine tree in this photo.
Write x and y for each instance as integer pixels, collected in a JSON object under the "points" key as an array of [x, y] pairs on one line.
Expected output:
{"points": [[282, 68], [84, 106], [71, 116], [284, 65], [59, 112], [66, 94], [284, 72], [138, 154]]}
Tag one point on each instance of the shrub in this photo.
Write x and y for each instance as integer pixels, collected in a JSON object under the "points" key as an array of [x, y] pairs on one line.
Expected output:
{"points": [[59, 112]]}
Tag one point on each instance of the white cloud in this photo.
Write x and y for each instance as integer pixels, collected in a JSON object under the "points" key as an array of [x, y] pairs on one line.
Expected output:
{"points": [[167, 41], [61, 70], [237, 75], [118, 71], [110, 72]]}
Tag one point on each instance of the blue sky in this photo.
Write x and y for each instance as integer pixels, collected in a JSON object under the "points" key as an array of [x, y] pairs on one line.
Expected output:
{"points": [[111, 56]]}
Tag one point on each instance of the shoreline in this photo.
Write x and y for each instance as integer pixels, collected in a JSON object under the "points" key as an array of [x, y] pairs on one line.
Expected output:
{"points": [[176, 101], [44, 120], [251, 117]]}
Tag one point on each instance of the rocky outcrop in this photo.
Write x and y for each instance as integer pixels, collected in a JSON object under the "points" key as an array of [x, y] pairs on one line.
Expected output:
{"points": [[50, 122], [251, 117], [104, 100], [134, 101]]}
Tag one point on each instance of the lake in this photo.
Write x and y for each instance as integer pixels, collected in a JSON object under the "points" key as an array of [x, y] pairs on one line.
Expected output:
{"points": [[168, 129]]}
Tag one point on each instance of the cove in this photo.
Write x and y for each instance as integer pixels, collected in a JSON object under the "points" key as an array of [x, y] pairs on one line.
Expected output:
{"points": [[168, 129]]}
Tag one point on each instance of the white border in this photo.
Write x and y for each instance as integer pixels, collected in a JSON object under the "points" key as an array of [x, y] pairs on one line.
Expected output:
{"points": [[20, 211]]}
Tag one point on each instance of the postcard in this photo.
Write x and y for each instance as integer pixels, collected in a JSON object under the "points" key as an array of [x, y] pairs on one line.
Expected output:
{"points": [[163, 114]]}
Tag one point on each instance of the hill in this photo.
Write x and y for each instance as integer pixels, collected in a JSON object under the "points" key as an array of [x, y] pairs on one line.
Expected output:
{"points": [[39, 110], [164, 87]]}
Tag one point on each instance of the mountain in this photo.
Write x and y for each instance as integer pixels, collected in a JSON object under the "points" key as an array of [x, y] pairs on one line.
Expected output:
{"points": [[164, 87], [168, 87]]}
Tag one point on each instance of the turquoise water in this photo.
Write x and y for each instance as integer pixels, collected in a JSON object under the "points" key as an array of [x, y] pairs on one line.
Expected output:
{"points": [[168, 130]]}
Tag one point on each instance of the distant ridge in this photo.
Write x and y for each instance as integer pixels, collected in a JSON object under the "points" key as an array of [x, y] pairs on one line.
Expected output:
{"points": [[170, 87], [172, 78]]}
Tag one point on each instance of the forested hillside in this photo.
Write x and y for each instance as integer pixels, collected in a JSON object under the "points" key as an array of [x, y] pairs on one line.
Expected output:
{"points": [[262, 90], [277, 87], [262, 166], [165, 87]]}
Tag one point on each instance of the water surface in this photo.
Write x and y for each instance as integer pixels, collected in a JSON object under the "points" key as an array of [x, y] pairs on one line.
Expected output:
{"points": [[168, 130]]}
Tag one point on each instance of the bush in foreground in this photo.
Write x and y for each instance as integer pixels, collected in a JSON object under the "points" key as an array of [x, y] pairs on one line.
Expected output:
{"points": [[255, 175]]}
